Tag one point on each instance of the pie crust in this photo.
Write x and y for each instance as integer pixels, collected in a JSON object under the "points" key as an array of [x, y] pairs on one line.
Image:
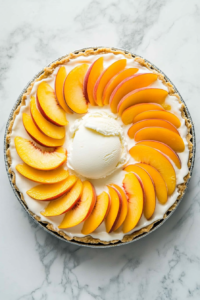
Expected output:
{"points": [[172, 91]]}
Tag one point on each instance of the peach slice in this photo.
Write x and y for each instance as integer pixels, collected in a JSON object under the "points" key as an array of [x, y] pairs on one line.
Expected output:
{"points": [[59, 83], [160, 162], [159, 183], [104, 78], [128, 85], [35, 157], [150, 123], [165, 149], [51, 130], [149, 189], [124, 207], [135, 196], [64, 203], [162, 135], [115, 209], [45, 192], [113, 83], [131, 112], [155, 114], [46, 177], [91, 77], [141, 95], [48, 105], [98, 214], [73, 89], [82, 209], [37, 135]]}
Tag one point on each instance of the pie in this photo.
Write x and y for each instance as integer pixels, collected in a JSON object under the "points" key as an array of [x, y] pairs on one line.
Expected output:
{"points": [[100, 147]]}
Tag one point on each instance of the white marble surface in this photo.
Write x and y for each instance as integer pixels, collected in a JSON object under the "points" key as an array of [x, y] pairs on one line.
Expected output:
{"points": [[164, 265]]}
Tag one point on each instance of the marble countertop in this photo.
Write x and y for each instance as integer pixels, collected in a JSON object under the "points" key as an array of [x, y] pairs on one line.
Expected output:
{"points": [[37, 266]]}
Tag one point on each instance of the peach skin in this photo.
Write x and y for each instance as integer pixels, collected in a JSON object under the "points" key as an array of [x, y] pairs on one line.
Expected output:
{"points": [[162, 135], [59, 83], [114, 81], [64, 203], [135, 197], [155, 114], [104, 78], [45, 192], [37, 135], [160, 162], [149, 189], [91, 77], [46, 177], [98, 214], [159, 183], [36, 158], [115, 209], [164, 149], [73, 89], [150, 123], [124, 207], [128, 85], [51, 130], [131, 112], [48, 105], [141, 95], [82, 209]]}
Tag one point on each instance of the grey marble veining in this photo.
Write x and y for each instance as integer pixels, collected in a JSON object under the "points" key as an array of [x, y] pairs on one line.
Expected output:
{"points": [[165, 264]]}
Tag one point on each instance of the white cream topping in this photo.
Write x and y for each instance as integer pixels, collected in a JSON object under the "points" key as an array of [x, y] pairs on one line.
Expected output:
{"points": [[90, 122]]}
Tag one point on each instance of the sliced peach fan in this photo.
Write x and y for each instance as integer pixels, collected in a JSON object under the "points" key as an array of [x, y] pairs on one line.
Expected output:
{"points": [[141, 95], [115, 208], [37, 135], [82, 209], [104, 78], [59, 82], [48, 128]]}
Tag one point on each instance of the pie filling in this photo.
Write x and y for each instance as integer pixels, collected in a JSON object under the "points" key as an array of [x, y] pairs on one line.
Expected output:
{"points": [[98, 145]]}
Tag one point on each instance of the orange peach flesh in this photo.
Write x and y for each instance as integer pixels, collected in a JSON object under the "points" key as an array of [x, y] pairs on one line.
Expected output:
{"points": [[73, 89], [114, 209], [150, 123], [105, 77], [51, 130], [48, 105], [162, 135], [35, 157], [64, 203], [37, 135], [45, 192], [164, 149], [59, 83], [98, 214], [135, 197], [149, 189], [128, 85], [113, 83], [91, 77], [159, 183], [124, 207], [160, 162], [131, 112], [155, 114], [81, 211], [141, 95], [45, 177]]}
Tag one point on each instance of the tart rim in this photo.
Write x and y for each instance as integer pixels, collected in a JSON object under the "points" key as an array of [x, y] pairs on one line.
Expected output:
{"points": [[88, 240]]}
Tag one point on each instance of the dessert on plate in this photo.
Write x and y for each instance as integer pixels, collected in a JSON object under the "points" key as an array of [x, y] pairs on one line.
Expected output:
{"points": [[100, 147]]}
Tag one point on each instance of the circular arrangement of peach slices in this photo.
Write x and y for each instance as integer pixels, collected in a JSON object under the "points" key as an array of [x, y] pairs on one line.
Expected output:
{"points": [[153, 127]]}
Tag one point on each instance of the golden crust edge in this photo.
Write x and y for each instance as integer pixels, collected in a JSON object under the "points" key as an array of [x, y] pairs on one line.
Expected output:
{"points": [[48, 71]]}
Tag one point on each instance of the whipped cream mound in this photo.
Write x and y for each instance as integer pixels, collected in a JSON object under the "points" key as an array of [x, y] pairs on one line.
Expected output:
{"points": [[97, 145]]}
